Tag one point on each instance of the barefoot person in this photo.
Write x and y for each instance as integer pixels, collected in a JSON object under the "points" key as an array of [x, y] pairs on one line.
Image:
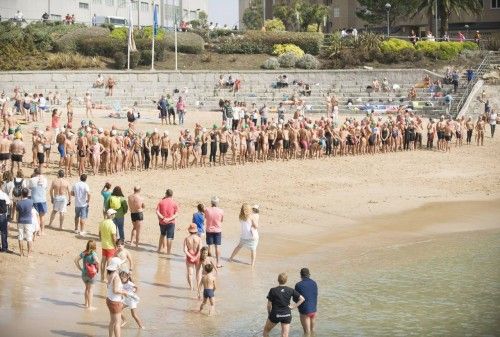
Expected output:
{"points": [[249, 236], [132, 299], [38, 187], [136, 206], [309, 290], [107, 235], [167, 213], [192, 246], [123, 254], [209, 286], [60, 197], [25, 222], [214, 216], [89, 269], [279, 307], [114, 297], [81, 192]]}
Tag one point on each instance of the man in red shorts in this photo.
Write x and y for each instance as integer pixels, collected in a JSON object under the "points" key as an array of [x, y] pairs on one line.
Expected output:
{"points": [[107, 235]]}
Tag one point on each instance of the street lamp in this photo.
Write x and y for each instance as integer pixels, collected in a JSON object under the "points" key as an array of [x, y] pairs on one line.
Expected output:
{"points": [[388, 10], [467, 31]]}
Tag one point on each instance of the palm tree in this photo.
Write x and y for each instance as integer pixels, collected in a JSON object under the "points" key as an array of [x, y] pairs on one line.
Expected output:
{"points": [[446, 7]]}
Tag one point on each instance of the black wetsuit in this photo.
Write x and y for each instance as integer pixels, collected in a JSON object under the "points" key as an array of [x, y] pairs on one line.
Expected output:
{"points": [[213, 147]]}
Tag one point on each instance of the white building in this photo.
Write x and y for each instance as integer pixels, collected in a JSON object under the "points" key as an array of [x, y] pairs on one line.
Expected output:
{"points": [[142, 10]]}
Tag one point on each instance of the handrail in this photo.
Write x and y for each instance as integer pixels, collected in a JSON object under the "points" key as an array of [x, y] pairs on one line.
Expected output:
{"points": [[472, 83]]}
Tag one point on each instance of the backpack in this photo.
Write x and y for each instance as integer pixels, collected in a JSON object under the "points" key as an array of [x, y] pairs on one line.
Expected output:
{"points": [[18, 187], [115, 202]]}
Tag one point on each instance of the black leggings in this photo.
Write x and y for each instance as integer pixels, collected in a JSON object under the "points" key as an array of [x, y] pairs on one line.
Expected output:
{"points": [[213, 151], [469, 136], [328, 146], [147, 159]]}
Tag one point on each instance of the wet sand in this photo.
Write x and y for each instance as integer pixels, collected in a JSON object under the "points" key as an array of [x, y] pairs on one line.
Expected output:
{"points": [[376, 232]]}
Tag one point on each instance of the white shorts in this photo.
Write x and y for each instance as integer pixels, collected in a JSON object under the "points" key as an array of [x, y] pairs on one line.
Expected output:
{"points": [[131, 301], [25, 232], [60, 203]]}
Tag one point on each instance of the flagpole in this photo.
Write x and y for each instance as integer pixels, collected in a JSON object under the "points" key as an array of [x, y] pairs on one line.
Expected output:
{"points": [[154, 33], [175, 40], [129, 35]]}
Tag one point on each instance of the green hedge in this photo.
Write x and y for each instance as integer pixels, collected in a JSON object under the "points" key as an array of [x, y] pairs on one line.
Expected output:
{"points": [[68, 42], [263, 42], [189, 43], [100, 46], [395, 45]]}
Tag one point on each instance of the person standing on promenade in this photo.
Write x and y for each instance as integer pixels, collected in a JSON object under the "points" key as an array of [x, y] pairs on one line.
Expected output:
{"points": [[166, 210], [279, 307], [192, 247], [136, 205], [107, 235], [81, 192], [38, 186], [309, 290], [214, 216]]}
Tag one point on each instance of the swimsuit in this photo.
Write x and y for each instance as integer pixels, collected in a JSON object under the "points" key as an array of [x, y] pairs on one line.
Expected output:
{"points": [[17, 157], [194, 260], [208, 293], [138, 216]]}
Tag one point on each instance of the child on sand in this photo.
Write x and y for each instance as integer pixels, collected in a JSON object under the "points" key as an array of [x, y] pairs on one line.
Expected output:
{"points": [[199, 219], [132, 299], [208, 281]]}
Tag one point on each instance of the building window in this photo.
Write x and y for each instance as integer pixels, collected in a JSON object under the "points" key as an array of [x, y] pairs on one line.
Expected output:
{"points": [[97, 2], [134, 5], [328, 2], [144, 6], [83, 5], [110, 2], [495, 4], [336, 12], [122, 3]]}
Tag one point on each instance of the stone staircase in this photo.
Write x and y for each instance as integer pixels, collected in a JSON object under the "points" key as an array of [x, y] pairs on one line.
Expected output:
{"points": [[490, 61], [198, 88]]}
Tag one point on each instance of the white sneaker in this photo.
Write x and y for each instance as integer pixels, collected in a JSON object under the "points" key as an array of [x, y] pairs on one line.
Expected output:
{"points": [[76, 231]]}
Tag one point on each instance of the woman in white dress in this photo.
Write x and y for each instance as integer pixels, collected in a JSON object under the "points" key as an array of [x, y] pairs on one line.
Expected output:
{"points": [[249, 235]]}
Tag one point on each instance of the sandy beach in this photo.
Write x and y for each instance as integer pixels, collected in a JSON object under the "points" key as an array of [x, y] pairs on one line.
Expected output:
{"points": [[390, 223]]}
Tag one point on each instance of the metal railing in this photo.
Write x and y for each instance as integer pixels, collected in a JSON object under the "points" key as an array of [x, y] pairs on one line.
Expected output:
{"points": [[477, 74]]}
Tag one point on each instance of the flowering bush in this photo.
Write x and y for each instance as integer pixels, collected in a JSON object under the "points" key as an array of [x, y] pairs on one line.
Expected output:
{"points": [[274, 25], [279, 49]]}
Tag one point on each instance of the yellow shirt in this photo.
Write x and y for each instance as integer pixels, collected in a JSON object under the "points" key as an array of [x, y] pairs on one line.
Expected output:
{"points": [[107, 228]]}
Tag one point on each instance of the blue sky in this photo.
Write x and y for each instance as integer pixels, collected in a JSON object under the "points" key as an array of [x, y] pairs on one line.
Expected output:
{"points": [[223, 12]]}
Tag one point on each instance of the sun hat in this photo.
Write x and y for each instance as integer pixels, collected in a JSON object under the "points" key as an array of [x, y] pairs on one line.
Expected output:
{"points": [[192, 229], [110, 212], [114, 264], [255, 206]]}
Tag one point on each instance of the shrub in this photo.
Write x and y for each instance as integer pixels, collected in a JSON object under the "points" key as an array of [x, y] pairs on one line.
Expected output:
{"points": [[147, 32], [188, 43], [274, 25], [308, 62], [71, 61], [279, 49], [440, 50], [310, 43], [313, 27], [68, 42], [469, 45], [395, 45], [120, 60], [287, 60], [349, 58], [146, 57], [271, 63], [101, 45], [239, 45], [195, 23], [120, 33], [135, 57]]}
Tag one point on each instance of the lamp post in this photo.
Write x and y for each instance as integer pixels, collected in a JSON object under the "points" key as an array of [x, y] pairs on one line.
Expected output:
{"points": [[297, 17], [388, 10], [466, 32]]}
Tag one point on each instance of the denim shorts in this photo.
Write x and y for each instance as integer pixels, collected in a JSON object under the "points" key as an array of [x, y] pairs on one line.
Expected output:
{"points": [[41, 207], [214, 239], [82, 212]]}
